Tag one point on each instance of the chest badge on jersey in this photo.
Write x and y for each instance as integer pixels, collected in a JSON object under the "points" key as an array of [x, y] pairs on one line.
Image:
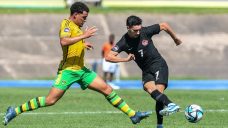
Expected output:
{"points": [[115, 48], [144, 42], [66, 30]]}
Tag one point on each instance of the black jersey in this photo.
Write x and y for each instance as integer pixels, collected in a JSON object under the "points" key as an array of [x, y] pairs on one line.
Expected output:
{"points": [[142, 47]]}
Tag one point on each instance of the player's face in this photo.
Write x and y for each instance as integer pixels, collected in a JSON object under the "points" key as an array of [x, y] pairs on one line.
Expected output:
{"points": [[80, 18], [134, 31]]}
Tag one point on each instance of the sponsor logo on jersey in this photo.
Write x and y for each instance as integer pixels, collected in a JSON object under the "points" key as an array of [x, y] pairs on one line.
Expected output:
{"points": [[66, 30], [145, 42]]}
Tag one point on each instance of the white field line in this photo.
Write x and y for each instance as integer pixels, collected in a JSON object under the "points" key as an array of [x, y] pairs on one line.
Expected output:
{"points": [[213, 110], [97, 112]]}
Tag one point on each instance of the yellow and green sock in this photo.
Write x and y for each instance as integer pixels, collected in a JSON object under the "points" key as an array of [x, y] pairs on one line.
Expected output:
{"points": [[33, 104], [119, 103]]}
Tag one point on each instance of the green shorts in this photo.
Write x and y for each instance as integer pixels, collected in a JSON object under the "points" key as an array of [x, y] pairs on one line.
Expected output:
{"points": [[66, 78]]}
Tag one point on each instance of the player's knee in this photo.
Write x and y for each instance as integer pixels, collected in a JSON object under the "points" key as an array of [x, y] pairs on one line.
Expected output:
{"points": [[149, 89]]}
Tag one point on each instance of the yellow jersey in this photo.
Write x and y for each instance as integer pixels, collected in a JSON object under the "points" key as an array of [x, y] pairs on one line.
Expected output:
{"points": [[73, 55]]}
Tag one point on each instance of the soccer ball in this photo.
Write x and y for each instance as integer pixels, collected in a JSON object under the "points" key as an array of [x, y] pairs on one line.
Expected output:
{"points": [[194, 113]]}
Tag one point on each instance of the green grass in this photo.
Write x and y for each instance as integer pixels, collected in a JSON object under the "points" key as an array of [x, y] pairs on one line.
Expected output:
{"points": [[168, 10], [76, 100]]}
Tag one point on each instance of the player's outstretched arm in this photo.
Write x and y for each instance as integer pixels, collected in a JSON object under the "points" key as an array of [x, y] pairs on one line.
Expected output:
{"points": [[113, 57], [71, 40], [165, 26]]}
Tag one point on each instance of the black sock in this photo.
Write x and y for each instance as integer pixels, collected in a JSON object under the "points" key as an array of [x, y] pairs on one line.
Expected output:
{"points": [[158, 96], [159, 106]]}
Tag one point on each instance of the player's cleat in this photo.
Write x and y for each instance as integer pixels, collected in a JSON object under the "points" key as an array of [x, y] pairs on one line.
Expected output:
{"points": [[170, 109], [139, 116], [10, 114]]}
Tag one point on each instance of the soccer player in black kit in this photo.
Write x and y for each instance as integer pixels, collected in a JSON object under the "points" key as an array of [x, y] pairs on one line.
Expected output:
{"points": [[137, 43]]}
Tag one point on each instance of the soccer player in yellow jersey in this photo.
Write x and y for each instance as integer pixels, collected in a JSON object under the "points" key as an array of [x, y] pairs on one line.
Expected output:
{"points": [[72, 69]]}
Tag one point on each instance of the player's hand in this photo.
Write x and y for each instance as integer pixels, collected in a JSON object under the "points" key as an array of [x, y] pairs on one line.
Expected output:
{"points": [[90, 31], [130, 57], [177, 41], [88, 45]]}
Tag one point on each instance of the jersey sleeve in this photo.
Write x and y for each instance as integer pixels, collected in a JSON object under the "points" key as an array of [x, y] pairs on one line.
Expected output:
{"points": [[120, 46], [65, 30], [152, 30]]}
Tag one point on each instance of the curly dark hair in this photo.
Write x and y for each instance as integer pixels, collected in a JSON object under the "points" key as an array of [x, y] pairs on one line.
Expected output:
{"points": [[78, 7]]}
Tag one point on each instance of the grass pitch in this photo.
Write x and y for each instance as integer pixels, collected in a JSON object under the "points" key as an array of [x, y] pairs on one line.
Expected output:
{"points": [[88, 109]]}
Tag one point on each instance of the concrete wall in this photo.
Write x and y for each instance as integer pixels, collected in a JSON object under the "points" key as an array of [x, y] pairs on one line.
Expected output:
{"points": [[32, 3], [29, 44]]}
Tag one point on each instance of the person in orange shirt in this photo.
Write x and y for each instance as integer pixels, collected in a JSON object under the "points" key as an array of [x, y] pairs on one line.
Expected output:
{"points": [[108, 68]]}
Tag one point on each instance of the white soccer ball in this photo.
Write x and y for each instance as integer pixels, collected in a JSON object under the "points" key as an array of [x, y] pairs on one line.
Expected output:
{"points": [[194, 113]]}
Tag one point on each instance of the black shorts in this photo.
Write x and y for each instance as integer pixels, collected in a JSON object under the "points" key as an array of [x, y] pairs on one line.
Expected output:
{"points": [[157, 72]]}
